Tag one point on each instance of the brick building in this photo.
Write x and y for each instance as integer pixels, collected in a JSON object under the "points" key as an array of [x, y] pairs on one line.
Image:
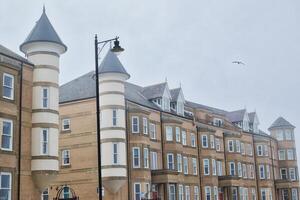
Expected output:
{"points": [[155, 143]]}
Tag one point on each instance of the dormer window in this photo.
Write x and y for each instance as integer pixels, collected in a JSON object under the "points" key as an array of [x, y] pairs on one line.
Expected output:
{"points": [[157, 101], [218, 122], [166, 104], [180, 108]]}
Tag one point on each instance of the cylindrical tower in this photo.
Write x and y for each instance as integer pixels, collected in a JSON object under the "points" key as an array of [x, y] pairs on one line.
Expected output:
{"points": [[43, 48], [112, 76]]}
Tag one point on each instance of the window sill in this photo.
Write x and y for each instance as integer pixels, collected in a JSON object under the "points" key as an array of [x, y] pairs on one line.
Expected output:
{"points": [[65, 166], [65, 131]]}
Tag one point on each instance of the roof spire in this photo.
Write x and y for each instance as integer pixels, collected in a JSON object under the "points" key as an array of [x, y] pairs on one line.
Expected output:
{"points": [[44, 9]]}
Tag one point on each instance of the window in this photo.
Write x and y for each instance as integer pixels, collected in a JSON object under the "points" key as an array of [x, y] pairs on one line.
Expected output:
{"points": [[243, 148], [114, 117], [146, 158], [169, 133], [185, 165], [66, 124], [136, 157], [290, 154], [177, 130], [212, 141], [152, 131], [238, 146], [66, 192], [145, 125], [283, 173], [281, 154], [172, 192], [204, 141], [5, 186], [261, 171], [231, 168], [292, 174], [8, 86], [135, 124], [249, 150], [45, 97], [194, 161], [153, 160], [183, 137], [266, 150], [220, 170], [207, 193], [218, 122], [166, 103], [193, 140], [137, 191], [245, 171], [180, 192], [147, 191], [251, 170], [260, 150], [218, 146], [263, 194], [214, 167], [294, 194], [170, 160], [206, 166], [230, 146], [288, 135], [253, 194], [196, 193], [268, 172], [45, 194], [240, 169], [179, 163], [234, 193], [285, 194], [216, 196], [7, 134], [279, 135], [44, 141], [187, 193], [65, 154]]}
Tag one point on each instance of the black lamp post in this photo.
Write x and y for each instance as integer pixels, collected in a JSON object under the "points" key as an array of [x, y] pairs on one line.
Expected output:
{"points": [[98, 49]]}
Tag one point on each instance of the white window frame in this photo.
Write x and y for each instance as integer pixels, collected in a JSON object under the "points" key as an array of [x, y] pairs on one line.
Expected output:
{"points": [[152, 128], [171, 193], [206, 166], [280, 155], [146, 158], [262, 173], [216, 193], [207, 190], [169, 133], [66, 122], [183, 135], [214, 167], [220, 168], [212, 141], [10, 135], [10, 183], [193, 140], [179, 163], [47, 98], [12, 87], [65, 154], [290, 154], [45, 193], [218, 145], [133, 125], [238, 146], [232, 168], [115, 154], [196, 193], [44, 142], [169, 155], [135, 193], [180, 192], [240, 171], [260, 150], [177, 134], [204, 145], [185, 165], [145, 126], [187, 192], [230, 146], [294, 176], [194, 164], [294, 193], [138, 157], [153, 158], [286, 171]]}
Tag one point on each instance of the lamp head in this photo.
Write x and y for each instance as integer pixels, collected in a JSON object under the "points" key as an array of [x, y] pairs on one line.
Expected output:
{"points": [[117, 49]]}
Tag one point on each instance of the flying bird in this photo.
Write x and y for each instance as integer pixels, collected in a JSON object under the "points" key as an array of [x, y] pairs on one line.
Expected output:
{"points": [[238, 62]]}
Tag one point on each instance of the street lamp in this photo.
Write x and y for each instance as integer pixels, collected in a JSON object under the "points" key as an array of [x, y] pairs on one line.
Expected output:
{"points": [[99, 45]]}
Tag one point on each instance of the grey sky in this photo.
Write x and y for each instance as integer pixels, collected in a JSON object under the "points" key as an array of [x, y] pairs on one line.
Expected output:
{"points": [[192, 42]]}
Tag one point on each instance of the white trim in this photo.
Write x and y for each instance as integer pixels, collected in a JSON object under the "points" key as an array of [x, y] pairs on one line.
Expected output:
{"points": [[63, 124], [139, 157], [137, 124], [11, 134], [12, 87], [63, 157], [10, 183]]}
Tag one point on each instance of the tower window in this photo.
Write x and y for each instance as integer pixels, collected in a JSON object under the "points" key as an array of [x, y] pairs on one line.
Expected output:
{"points": [[115, 147], [45, 97], [114, 117], [44, 141]]}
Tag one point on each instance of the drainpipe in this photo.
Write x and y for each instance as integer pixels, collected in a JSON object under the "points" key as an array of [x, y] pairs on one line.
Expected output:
{"points": [[199, 161], [162, 152], [128, 150], [20, 133], [256, 174], [273, 167]]}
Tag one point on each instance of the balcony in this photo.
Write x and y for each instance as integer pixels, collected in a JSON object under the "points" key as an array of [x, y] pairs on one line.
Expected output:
{"points": [[164, 176], [225, 181], [286, 183]]}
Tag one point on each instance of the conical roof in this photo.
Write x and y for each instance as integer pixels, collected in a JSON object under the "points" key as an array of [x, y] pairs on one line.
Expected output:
{"points": [[43, 31], [280, 122], [112, 64]]}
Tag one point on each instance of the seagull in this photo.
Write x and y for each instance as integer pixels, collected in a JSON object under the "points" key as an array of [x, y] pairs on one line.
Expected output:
{"points": [[238, 62]]}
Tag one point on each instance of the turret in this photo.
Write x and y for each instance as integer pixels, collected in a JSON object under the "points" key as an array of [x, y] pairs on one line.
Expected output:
{"points": [[112, 76], [43, 48]]}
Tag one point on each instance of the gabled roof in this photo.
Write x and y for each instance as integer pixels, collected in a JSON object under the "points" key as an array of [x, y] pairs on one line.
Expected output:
{"points": [[154, 91], [280, 122], [112, 64], [9, 53], [43, 31], [175, 93], [236, 116]]}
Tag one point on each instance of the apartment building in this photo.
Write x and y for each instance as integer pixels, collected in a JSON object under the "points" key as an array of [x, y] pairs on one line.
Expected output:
{"points": [[155, 143]]}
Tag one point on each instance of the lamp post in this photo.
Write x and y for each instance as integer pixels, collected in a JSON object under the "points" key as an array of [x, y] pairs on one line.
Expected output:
{"points": [[99, 45]]}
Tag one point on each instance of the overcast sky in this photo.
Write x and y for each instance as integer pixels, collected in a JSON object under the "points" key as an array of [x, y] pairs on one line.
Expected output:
{"points": [[193, 42]]}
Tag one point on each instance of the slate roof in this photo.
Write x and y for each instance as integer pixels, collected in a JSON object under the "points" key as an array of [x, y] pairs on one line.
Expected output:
{"points": [[43, 31], [154, 91], [175, 93], [111, 63], [7, 52], [280, 122], [236, 116], [200, 106]]}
